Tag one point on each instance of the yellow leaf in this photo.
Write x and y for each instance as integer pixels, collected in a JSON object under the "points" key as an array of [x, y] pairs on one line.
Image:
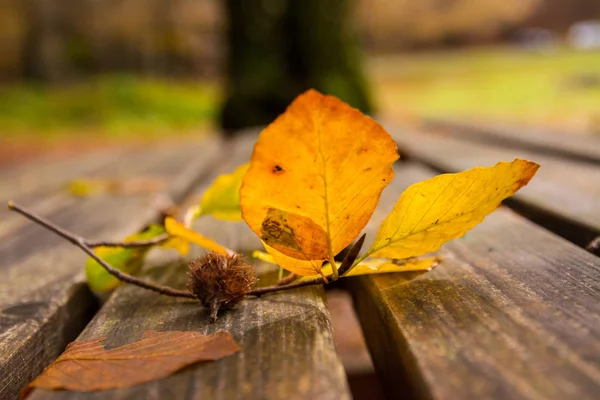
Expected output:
{"points": [[222, 198], [300, 267], [315, 178], [177, 229], [382, 266], [262, 256], [180, 244], [443, 208]]}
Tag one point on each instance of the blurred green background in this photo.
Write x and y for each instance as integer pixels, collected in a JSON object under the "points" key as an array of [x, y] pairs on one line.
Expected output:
{"points": [[140, 69]]}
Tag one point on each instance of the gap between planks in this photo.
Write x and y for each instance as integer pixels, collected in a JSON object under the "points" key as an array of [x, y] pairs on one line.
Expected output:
{"points": [[575, 147]]}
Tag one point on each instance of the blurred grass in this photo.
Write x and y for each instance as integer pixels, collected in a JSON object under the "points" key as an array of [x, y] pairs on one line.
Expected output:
{"points": [[557, 87], [107, 107]]}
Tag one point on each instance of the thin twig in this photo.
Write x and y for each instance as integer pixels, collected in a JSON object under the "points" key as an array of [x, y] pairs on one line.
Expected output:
{"points": [[269, 289], [83, 245], [89, 243], [141, 243], [288, 279]]}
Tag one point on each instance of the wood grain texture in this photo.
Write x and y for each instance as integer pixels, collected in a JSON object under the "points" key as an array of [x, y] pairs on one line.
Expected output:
{"points": [[44, 302], [564, 196], [512, 312], [43, 186], [286, 338], [576, 147]]}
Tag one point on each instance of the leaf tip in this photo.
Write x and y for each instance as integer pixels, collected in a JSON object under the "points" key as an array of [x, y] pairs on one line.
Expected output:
{"points": [[528, 169]]}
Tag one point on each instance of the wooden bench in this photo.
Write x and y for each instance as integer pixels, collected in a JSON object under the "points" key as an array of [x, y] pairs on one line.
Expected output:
{"points": [[564, 196], [512, 312], [287, 338], [576, 147]]}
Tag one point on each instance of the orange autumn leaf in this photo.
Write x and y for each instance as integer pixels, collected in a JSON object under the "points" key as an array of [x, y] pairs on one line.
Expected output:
{"points": [[86, 366], [300, 267], [315, 178], [279, 228]]}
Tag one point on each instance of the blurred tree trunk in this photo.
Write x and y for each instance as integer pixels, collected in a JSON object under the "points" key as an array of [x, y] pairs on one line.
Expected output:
{"points": [[279, 48], [44, 42]]}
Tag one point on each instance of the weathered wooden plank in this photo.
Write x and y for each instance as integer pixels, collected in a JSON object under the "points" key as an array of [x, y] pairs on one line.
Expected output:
{"points": [[577, 147], [512, 312], [288, 349], [44, 302], [564, 196], [44, 187], [43, 184]]}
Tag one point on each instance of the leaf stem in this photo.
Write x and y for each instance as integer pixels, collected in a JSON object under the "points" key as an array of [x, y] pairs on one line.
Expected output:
{"points": [[84, 245], [335, 274], [191, 215]]}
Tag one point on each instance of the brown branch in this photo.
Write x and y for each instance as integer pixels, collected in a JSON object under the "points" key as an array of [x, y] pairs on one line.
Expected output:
{"points": [[84, 245], [89, 243], [87, 247], [288, 279], [269, 289], [141, 243]]}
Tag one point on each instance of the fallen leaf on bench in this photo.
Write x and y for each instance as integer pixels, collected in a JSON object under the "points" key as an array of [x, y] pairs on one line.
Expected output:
{"points": [[184, 236], [129, 260], [222, 198], [432, 212], [368, 266], [384, 266], [86, 187], [315, 178], [88, 366]]}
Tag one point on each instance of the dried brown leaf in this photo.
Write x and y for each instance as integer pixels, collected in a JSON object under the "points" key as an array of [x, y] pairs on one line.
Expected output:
{"points": [[86, 366]]}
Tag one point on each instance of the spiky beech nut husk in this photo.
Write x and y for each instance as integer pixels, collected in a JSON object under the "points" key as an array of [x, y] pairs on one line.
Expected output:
{"points": [[220, 281]]}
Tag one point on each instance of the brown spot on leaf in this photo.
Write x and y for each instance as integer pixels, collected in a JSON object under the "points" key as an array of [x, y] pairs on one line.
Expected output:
{"points": [[274, 230], [279, 229]]}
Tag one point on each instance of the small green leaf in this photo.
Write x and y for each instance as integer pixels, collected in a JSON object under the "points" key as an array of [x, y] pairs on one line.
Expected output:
{"points": [[129, 260], [222, 198]]}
